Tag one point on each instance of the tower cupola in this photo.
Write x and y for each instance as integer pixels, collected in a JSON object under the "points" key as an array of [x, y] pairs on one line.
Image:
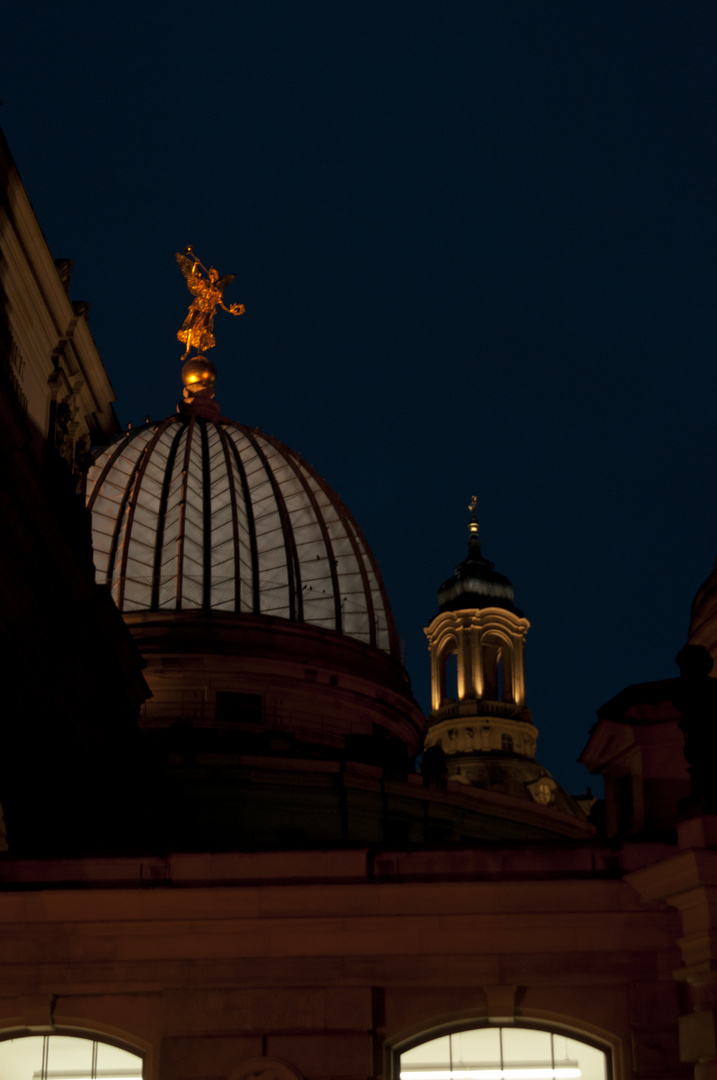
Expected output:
{"points": [[475, 584], [478, 712]]}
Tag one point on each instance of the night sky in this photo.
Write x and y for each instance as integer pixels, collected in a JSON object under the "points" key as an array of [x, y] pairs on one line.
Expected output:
{"points": [[476, 243]]}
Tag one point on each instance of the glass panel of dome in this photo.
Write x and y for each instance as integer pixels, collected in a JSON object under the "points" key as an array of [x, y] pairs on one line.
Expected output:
{"points": [[215, 451], [269, 533], [168, 583], [102, 544], [351, 581], [141, 548], [220, 510], [222, 522], [107, 508], [151, 484], [315, 564], [326, 507], [300, 509], [139, 566], [192, 591], [356, 624], [246, 587], [272, 555], [122, 467], [274, 602], [316, 555], [223, 574], [222, 535], [340, 542], [219, 492], [136, 595], [306, 528], [299, 504], [269, 538], [170, 534], [146, 512], [262, 496], [310, 546], [284, 476]]}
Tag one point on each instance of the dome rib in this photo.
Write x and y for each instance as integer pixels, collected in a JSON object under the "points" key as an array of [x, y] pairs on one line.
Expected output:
{"points": [[362, 554], [225, 444], [161, 516], [293, 571], [198, 513], [343, 517], [182, 536], [206, 475], [292, 460], [128, 511], [251, 529]]}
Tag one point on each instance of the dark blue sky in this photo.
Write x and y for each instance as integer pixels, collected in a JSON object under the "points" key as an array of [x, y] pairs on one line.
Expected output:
{"points": [[476, 243]]}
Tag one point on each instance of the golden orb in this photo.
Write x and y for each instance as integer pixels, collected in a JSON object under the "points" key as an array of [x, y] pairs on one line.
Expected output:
{"points": [[199, 374]]}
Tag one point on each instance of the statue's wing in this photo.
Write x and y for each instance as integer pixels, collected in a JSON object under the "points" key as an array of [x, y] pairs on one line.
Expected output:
{"points": [[224, 280], [194, 283]]}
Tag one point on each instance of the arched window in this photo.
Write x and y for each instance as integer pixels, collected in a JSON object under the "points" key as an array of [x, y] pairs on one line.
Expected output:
{"points": [[66, 1057], [503, 1053]]}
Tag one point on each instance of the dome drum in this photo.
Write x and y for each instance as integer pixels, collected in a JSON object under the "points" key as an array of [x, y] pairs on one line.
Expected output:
{"points": [[219, 670]]}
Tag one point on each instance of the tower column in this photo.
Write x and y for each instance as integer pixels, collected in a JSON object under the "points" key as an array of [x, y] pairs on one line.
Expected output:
{"points": [[435, 678], [477, 658], [466, 686], [518, 676]]}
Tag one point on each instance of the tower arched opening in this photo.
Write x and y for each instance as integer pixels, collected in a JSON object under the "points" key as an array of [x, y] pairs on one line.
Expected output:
{"points": [[445, 682], [497, 657]]}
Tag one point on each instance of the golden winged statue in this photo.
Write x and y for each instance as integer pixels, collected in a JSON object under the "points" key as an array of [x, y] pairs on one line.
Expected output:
{"points": [[208, 290]]}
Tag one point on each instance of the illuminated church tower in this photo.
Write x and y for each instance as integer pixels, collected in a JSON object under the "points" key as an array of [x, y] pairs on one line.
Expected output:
{"points": [[478, 713]]}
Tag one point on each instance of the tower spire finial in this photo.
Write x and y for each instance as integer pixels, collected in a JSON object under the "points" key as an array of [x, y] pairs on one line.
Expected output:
{"points": [[473, 524]]}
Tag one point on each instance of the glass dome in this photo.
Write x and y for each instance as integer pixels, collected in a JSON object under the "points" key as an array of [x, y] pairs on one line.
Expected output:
{"points": [[196, 513]]}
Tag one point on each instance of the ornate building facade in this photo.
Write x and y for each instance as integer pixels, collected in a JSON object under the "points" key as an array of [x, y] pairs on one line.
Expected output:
{"points": [[219, 859]]}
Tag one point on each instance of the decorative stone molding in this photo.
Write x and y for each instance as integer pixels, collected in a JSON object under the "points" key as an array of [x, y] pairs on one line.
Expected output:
{"points": [[482, 734]]}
